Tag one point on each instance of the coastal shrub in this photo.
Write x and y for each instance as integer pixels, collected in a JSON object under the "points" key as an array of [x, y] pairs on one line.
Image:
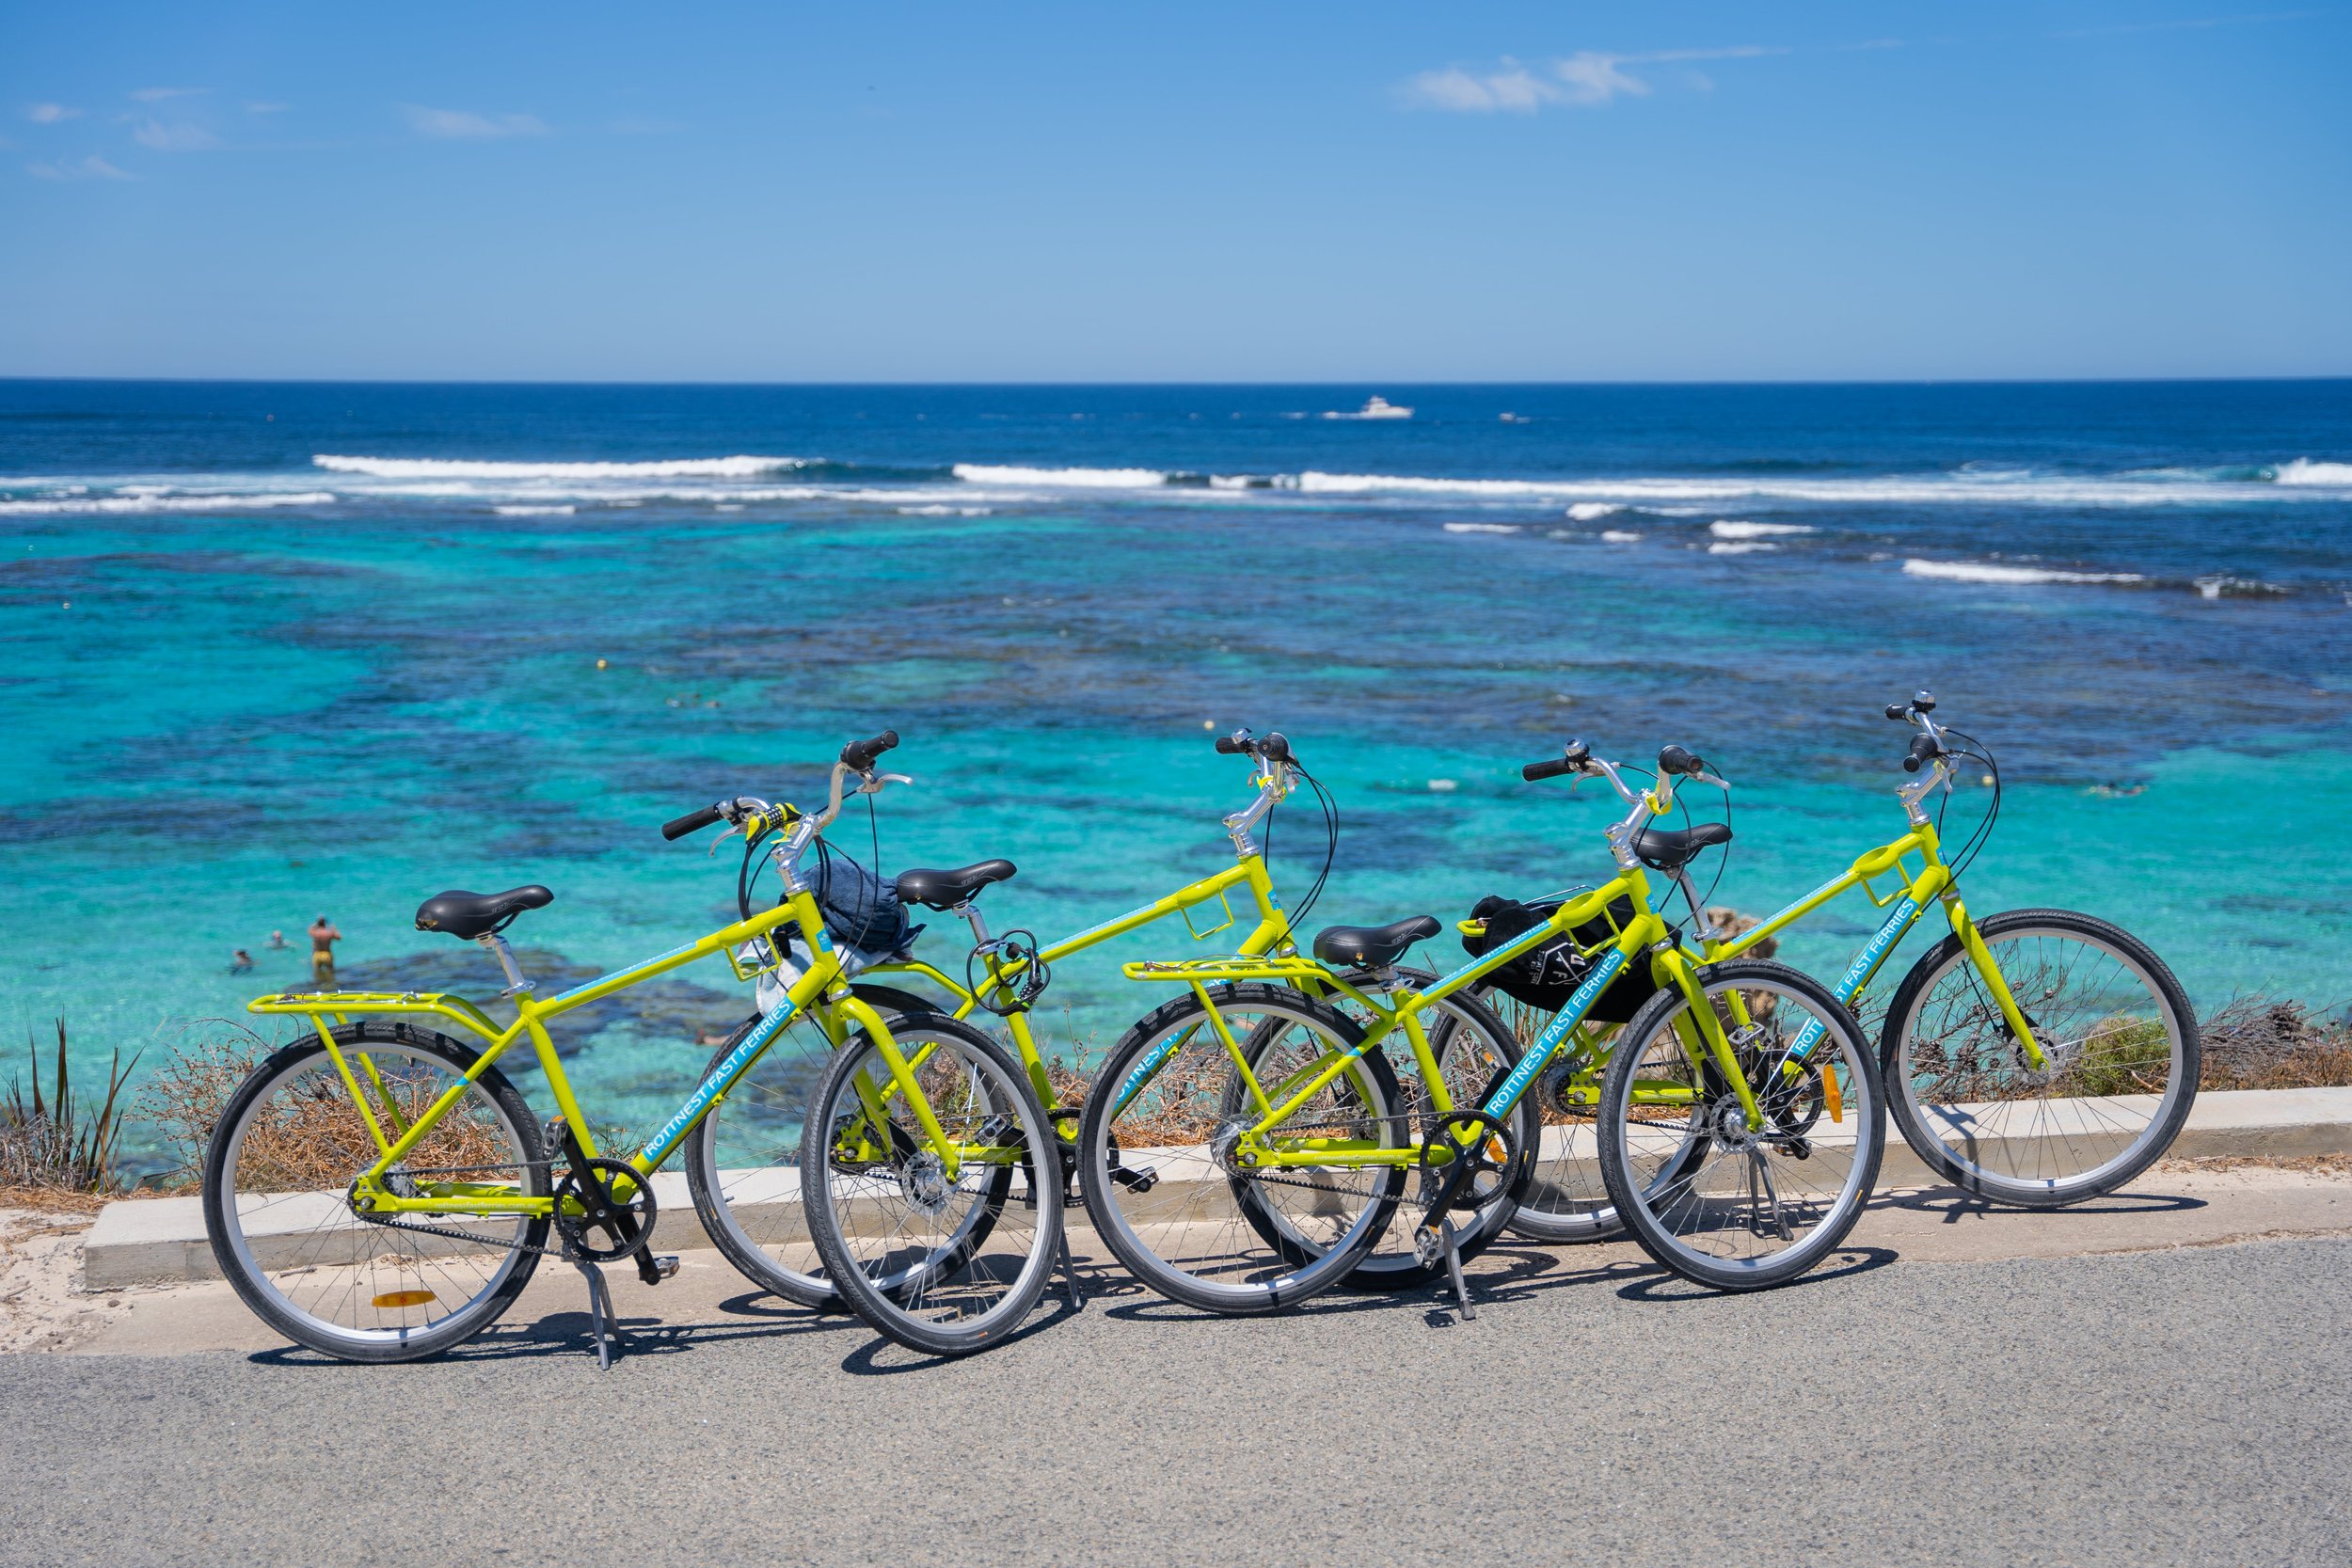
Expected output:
{"points": [[2259, 1042], [56, 1142]]}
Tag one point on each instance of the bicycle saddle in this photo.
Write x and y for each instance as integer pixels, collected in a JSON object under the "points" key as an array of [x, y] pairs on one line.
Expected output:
{"points": [[944, 890], [1372, 946], [1664, 848], [472, 914]]}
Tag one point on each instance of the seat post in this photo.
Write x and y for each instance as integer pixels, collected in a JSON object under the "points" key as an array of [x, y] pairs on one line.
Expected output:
{"points": [[971, 912], [515, 984]]}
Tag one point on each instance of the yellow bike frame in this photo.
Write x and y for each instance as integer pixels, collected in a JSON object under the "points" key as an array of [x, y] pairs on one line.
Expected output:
{"points": [[1646, 933], [818, 992], [1932, 882]]}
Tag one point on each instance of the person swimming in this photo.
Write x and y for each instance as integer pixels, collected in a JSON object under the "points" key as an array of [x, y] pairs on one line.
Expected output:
{"points": [[324, 936], [240, 963], [278, 941]]}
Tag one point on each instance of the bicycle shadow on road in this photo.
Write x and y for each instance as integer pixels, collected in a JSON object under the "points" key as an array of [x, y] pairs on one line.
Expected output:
{"points": [[1953, 1205], [572, 1333]]}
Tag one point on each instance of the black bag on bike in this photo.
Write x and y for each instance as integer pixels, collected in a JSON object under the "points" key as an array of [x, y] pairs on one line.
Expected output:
{"points": [[1546, 977], [860, 909]]}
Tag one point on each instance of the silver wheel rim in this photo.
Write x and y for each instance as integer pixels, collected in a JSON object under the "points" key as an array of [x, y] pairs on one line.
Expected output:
{"points": [[337, 1263], [1194, 1214], [942, 1283], [1981, 1120], [1744, 1204], [748, 1150]]}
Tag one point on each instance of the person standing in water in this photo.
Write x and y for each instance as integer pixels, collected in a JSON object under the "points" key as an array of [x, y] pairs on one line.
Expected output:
{"points": [[323, 939]]}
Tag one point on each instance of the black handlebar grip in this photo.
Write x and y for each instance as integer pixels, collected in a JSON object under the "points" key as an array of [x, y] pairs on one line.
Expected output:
{"points": [[1550, 769], [859, 754], [1276, 747], [1898, 711], [1923, 750], [1675, 759], [1231, 745], [693, 822]]}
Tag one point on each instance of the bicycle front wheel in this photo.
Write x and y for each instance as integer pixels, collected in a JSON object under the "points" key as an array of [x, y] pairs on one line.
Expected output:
{"points": [[743, 1160], [1197, 1207], [944, 1244], [1565, 1198], [280, 1166], [2121, 1060], [1736, 1206]]}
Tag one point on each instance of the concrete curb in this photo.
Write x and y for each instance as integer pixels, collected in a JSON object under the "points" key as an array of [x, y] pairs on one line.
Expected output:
{"points": [[162, 1241]]}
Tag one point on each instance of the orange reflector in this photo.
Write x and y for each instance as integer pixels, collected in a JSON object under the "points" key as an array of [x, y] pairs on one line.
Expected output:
{"points": [[1828, 1092], [403, 1298]]}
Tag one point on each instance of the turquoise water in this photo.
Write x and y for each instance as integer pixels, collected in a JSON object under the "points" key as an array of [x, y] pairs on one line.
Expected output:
{"points": [[247, 685]]}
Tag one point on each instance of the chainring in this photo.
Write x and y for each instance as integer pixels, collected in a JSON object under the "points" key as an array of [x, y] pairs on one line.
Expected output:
{"points": [[625, 1222]]}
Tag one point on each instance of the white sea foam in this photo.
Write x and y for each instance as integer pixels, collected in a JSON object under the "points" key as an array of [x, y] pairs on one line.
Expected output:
{"points": [[2004, 488], [1733, 529], [2305, 471], [535, 510], [149, 502], [466, 467], [1986, 571], [1592, 512], [1743, 547], [1076, 479], [937, 511], [1618, 536], [1481, 528]]}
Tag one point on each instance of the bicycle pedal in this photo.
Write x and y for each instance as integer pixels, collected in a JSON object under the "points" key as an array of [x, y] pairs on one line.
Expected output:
{"points": [[1136, 1181], [666, 1265]]}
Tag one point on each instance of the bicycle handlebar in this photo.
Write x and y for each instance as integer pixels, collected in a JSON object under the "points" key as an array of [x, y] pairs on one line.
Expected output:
{"points": [[1276, 747], [693, 822], [859, 754]]}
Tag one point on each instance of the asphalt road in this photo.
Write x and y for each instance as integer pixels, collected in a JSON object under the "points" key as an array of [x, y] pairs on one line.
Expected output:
{"points": [[2178, 1407]]}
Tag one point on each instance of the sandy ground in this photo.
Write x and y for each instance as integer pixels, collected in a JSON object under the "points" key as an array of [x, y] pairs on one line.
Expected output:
{"points": [[44, 1308]]}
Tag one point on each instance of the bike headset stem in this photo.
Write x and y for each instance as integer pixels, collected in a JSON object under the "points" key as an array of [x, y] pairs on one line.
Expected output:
{"points": [[1645, 804], [807, 829]]}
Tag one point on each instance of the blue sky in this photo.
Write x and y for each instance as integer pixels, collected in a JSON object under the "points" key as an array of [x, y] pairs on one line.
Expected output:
{"points": [[1195, 192]]}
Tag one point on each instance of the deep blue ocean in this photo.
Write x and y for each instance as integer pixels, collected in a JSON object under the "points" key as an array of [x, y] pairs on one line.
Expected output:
{"points": [[274, 651]]}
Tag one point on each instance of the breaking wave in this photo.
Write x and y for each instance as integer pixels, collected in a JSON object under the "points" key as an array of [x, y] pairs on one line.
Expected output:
{"points": [[1985, 571], [61, 505], [466, 467]]}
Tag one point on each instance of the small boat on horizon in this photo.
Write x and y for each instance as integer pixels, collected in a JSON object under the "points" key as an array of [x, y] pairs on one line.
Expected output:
{"points": [[1375, 407]]}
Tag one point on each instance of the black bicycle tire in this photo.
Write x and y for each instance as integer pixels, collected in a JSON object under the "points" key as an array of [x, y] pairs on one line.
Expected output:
{"points": [[1931, 1152], [256, 1296]]}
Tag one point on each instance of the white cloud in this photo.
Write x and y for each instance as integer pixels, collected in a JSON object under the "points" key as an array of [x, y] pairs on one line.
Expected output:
{"points": [[49, 114], [1592, 79], [91, 167], [1586, 79], [156, 95], [178, 137], [466, 125]]}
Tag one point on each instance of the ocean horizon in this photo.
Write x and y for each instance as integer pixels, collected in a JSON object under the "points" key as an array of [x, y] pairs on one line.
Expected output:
{"points": [[279, 649]]}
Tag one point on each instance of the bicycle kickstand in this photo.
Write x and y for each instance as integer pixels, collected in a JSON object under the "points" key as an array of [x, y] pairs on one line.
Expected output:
{"points": [[1429, 1243], [1072, 1290], [603, 1323]]}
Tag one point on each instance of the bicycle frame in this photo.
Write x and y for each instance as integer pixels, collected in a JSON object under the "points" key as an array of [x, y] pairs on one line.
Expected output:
{"points": [[1272, 934], [817, 992], [1645, 933], [1933, 883]]}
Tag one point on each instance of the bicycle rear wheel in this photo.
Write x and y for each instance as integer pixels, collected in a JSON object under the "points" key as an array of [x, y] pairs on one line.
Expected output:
{"points": [[280, 1165], [1711, 1199], [1472, 1049], [1161, 1151], [946, 1256], [2122, 1060]]}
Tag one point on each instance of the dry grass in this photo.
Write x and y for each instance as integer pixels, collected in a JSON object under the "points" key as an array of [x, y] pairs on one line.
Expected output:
{"points": [[2257, 1042], [57, 1143]]}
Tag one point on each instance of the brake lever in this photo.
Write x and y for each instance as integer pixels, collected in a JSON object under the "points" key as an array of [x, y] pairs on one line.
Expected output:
{"points": [[874, 781]]}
